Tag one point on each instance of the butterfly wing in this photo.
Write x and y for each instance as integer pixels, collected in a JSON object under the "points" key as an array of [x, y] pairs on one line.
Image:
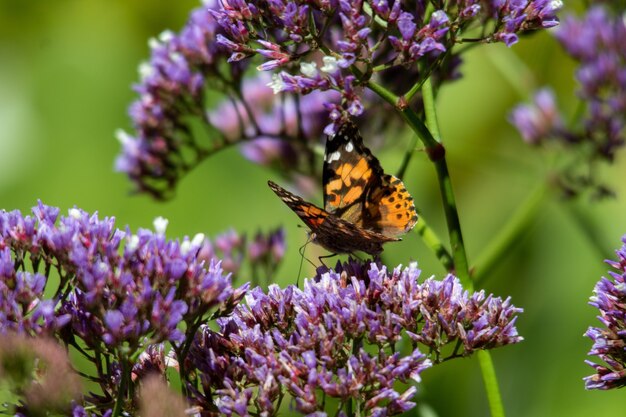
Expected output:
{"points": [[357, 190], [390, 208], [331, 232], [350, 172], [310, 214]]}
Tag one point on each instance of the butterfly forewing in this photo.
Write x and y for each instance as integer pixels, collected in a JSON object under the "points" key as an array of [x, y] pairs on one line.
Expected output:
{"points": [[350, 172], [310, 214]]}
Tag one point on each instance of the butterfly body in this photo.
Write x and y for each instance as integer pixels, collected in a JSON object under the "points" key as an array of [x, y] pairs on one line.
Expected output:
{"points": [[363, 207]]}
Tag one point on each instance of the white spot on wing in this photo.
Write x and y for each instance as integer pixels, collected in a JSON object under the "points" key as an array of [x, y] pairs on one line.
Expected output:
{"points": [[333, 156], [349, 147]]}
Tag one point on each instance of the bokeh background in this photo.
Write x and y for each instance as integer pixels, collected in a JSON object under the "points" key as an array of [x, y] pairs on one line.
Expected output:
{"points": [[66, 70]]}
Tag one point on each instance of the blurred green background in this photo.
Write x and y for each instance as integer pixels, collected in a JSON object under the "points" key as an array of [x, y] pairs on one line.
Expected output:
{"points": [[66, 68]]}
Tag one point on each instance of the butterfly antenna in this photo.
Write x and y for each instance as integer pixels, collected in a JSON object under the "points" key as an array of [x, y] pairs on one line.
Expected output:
{"points": [[302, 258]]}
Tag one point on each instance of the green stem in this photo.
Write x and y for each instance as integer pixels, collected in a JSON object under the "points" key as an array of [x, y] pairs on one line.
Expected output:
{"points": [[436, 153], [458, 248], [431, 240], [491, 383], [445, 186], [123, 388], [509, 235]]}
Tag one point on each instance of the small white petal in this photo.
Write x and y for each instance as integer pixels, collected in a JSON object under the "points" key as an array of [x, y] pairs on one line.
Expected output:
{"points": [[145, 70], [308, 68], [160, 225], [197, 239], [330, 64], [133, 243], [185, 246], [75, 213], [277, 84], [556, 4], [166, 36]]}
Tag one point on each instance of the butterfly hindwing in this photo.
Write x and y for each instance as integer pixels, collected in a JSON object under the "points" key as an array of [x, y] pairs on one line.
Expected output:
{"points": [[390, 208]]}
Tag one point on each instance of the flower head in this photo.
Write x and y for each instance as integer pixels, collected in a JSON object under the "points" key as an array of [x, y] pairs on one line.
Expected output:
{"points": [[595, 41], [609, 341], [313, 341], [323, 57], [118, 287]]}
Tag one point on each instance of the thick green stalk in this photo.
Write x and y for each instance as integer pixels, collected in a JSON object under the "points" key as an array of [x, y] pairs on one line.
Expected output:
{"points": [[509, 235], [436, 153], [445, 186], [491, 383]]}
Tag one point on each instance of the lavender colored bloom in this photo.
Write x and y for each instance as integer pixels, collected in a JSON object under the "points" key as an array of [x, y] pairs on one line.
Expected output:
{"points": [[336, 338], [173, 87], [117, 292], [323, 56], [538, 121], [595, 41], [609, 341], [119, 286], [362, 36]]}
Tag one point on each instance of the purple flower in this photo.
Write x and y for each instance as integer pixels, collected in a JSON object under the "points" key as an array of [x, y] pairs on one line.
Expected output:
{"points": [[609, 341], [595, 41], [323, 55], [336, 338], [119, 287], [538, 121]]}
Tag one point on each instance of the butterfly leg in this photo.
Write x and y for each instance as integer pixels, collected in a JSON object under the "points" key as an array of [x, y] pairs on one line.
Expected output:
{"points": [[332, 255]]}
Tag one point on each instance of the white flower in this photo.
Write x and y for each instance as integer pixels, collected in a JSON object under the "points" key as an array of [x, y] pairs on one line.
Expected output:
{"points": [[330, 64], [277, 84], [145, 70], [308, 68], [160, 225], [186, 246], [133, 243], [75, 213]]}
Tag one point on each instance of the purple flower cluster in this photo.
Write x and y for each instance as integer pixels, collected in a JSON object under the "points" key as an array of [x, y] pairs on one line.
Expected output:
{"points": [[338, 45], [263, 253], [184, 71], [609, 341], [343, 336], [114, 286], [595, 41], [117, 293], [323, 55]]}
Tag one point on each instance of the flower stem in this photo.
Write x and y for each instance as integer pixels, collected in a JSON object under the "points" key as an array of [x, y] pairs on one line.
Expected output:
{"points": [[509, 235], [436, 152], [123, 388], [445, 186], [491, 383]]}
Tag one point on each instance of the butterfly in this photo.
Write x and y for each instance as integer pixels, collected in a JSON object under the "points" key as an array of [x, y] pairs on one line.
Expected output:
{"points": [[363, 207]]}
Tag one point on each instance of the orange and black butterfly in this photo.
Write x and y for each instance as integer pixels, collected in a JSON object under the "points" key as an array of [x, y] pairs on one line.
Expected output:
{"points": [[363, 206]]}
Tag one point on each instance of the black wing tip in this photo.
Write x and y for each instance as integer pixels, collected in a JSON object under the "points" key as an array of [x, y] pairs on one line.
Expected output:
{"points": [[347, 125], [275, 187]]}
